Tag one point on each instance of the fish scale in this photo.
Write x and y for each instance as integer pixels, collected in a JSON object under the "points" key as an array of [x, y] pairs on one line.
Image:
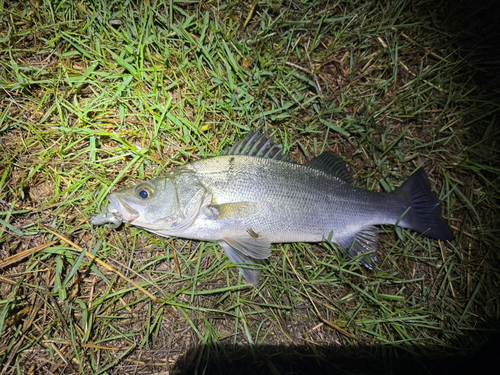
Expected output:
{"points": [[253, 196], [299, 203]]}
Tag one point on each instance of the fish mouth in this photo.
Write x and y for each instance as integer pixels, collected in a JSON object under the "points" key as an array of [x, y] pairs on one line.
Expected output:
{"points": [[122, 207]]}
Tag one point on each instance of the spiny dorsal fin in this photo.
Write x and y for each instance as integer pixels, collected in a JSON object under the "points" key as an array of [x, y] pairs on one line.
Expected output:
{"points": [[259, 145], [332, 164]]}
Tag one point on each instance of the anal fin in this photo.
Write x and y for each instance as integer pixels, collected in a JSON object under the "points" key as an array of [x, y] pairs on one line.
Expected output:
{"points": [[363, 241]]}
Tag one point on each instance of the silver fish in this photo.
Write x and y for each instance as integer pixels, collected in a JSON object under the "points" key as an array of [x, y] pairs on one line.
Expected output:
{"points": [[253, 196]]}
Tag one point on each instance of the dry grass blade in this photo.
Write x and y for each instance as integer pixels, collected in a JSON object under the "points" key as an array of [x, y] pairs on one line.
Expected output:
{"points": [[24, 254], [343, 331], [100, 262]]}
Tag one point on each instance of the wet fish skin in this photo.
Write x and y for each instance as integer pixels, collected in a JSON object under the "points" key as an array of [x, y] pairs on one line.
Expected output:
{"points": [[252, 197]]}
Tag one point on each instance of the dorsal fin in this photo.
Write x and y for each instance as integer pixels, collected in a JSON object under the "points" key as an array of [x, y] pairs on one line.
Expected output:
{"points": [[333, 164], [259, 145]]}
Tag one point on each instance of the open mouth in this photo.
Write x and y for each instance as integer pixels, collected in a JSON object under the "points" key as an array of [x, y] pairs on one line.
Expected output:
{"points": [[121, 206]]}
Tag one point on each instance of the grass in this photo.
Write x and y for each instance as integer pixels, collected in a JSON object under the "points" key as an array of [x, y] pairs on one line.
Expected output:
{"points": [[101, 95]]}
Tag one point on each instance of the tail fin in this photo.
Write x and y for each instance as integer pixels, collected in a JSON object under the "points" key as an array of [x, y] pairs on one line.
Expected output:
{"points": [[424, 214]]}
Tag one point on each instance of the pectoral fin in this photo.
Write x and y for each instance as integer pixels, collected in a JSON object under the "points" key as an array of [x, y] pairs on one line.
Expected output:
{"points": [[237, 210], [361, 242], [248, 265]]}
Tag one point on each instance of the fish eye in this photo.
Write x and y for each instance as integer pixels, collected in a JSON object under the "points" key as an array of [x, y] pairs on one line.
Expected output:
{"points": [[144, 193]]}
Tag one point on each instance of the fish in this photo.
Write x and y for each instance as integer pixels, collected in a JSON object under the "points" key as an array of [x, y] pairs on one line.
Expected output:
{"points": [[253, 195]]}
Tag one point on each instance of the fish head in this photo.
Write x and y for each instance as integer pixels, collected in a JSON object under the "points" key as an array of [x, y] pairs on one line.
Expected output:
{"points": [[151, 204]]}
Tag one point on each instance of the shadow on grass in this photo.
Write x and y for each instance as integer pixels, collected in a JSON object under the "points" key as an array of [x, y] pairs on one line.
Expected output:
{"points": [[265, 359]]}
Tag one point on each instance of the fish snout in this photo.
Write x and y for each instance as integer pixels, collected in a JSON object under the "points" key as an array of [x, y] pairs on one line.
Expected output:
{"points": [[123, 207]]}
